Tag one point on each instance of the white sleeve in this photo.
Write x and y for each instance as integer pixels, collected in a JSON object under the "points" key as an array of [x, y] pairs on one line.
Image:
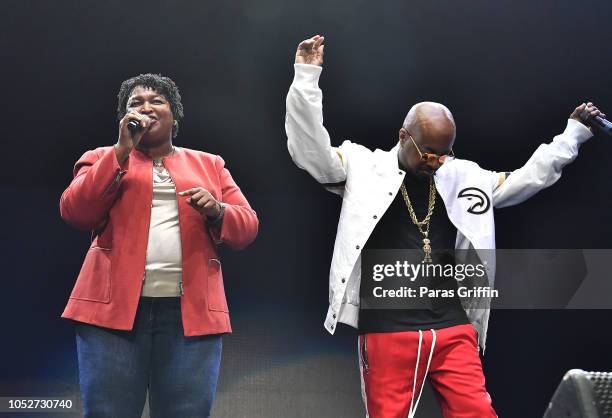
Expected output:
{"points": [[544, 167], [307, 139]]}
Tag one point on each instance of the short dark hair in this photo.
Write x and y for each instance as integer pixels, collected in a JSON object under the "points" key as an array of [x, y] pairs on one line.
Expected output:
{"points": [[158, 83]]}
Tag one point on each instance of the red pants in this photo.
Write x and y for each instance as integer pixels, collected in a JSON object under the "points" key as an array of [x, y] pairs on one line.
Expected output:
{"points": [[388, 362]]}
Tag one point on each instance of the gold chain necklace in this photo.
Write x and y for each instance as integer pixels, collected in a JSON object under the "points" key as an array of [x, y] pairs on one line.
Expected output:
{"points": [[423, 225], [159, 162]]}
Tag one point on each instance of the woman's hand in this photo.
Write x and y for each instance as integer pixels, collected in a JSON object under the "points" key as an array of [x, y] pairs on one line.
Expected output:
{"points": [[201, 200]]}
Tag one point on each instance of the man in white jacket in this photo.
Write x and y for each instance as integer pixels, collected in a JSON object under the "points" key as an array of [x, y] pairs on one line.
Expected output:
{"points": [[415, 196]]}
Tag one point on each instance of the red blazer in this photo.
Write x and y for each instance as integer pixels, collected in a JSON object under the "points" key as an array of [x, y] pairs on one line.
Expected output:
{"points": [[114, 202]]}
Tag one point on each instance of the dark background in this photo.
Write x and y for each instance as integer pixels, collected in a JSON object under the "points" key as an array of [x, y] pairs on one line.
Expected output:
{"points": [[510, 71]]}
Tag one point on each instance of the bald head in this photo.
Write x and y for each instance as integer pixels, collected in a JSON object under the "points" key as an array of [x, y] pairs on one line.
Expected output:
{"points": [[430, 119], [432, 127]]}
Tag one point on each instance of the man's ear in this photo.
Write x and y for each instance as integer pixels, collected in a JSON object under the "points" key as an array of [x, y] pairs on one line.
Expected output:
{"points": [[403, 136]]}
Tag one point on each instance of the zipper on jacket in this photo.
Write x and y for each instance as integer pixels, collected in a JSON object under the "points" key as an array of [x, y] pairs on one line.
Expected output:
{"points": [[364, 353], [115, 181]]}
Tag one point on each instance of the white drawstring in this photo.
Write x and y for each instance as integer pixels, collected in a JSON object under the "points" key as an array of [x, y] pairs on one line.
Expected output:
{"points": [[416, 369], [411, 411]]}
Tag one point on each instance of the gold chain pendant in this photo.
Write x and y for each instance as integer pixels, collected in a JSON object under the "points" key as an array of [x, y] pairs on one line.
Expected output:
{"points": [[427, 250], [423, 226]]}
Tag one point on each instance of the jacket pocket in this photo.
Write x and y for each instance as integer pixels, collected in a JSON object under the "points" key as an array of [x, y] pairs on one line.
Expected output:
{"points": [[93, 282], [216, 292]]}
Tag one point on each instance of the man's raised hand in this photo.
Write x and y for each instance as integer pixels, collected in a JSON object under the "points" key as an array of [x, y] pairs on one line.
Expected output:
{"points": [[591, 111], [310, 51]]}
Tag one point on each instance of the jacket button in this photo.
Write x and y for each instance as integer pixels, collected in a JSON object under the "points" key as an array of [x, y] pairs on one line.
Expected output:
{"points": [[357, 247]]}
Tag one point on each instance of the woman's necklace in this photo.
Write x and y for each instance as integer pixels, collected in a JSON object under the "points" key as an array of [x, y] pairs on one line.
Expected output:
{"points": [[423, 225], [159, 162]]}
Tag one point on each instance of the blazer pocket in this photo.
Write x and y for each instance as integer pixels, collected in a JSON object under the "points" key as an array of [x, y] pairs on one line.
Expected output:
{"points": [[215, 290], [93, 282]]}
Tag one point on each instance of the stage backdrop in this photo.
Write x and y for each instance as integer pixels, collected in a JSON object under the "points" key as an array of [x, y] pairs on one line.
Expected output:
{"points": [[511, 72]]}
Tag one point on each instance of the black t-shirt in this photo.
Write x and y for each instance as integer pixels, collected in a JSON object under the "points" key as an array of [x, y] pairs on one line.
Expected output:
{"points": [[395, 230]]}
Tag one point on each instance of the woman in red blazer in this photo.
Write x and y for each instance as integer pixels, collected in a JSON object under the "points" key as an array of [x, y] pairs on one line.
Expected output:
{"points": [[149, 300]]}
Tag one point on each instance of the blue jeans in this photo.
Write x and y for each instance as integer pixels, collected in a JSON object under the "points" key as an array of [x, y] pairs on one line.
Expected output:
{"points": [[117, 367]]}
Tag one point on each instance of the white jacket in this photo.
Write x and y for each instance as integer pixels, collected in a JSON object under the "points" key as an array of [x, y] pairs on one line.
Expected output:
{"points": [[368, 182]]}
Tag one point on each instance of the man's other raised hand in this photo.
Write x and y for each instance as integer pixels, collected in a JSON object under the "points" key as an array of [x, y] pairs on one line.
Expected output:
{"points": [[310, 51]]}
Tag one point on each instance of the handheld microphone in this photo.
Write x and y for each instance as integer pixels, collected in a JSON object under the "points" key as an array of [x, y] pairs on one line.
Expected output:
{"points": [[597, 122], [134, 126]]}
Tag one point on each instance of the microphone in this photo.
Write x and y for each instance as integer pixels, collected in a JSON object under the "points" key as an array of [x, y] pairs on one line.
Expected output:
{"points": [[134, 126], [597, 122]]}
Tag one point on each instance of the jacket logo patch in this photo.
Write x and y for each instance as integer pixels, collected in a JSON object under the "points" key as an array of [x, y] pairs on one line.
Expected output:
{"points": [[482, 203]]}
